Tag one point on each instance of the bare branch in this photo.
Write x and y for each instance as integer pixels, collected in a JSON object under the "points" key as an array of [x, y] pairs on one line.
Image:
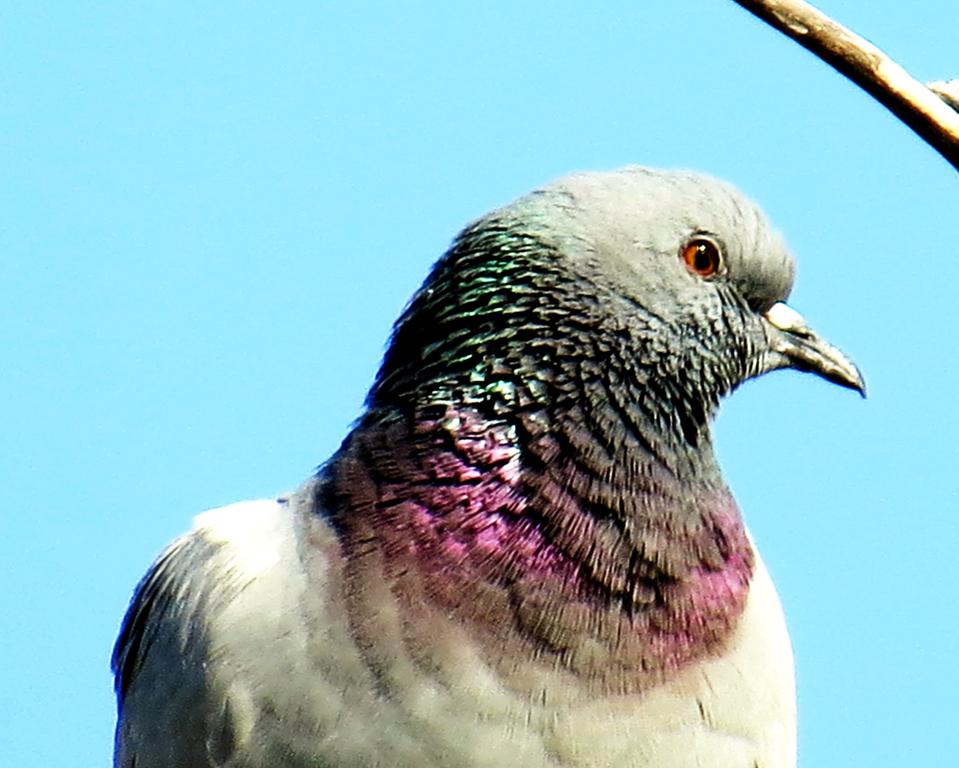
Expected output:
{"points": [[925, 111]]}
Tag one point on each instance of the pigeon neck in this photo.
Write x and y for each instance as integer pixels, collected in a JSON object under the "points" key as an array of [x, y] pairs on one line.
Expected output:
{"points": [[525, 454], [641, 577], [502, 329]]}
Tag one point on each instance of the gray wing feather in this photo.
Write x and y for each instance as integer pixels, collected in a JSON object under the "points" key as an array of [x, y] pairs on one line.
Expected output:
{"points": [[162, 597], [158, 663]]}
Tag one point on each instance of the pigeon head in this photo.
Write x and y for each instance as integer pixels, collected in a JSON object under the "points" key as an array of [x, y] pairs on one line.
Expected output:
{"points": [[723, 298], [669, 288], [537, 442]]}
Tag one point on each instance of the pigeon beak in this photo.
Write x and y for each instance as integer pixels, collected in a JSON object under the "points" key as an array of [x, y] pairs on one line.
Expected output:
{"points": [[797, 346]]}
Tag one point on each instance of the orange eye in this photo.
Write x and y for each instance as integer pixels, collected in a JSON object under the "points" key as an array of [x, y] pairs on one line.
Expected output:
{"points": [[702, 256]]}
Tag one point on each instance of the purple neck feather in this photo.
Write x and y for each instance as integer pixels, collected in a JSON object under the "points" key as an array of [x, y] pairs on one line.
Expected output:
{"points": [[621, 580]]}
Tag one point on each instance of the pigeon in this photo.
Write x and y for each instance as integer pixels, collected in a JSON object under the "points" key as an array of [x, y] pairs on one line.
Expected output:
{"points": [[524, 552]]}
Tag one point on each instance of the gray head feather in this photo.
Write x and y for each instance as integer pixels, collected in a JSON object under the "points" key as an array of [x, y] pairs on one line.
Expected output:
{"points": [[638, 218]]}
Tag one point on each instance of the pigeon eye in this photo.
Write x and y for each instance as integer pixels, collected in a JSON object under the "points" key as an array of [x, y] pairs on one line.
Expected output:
{"points": [[703, 256]]}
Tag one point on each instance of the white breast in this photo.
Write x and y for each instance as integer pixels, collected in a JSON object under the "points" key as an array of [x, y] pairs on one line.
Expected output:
{"points": [[281, 680]]}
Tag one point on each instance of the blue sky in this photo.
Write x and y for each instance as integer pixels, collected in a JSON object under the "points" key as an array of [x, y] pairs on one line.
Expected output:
{"points": [[210, 216]]}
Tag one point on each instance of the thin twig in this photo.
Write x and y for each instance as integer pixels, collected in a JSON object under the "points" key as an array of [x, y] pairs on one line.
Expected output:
{"points": [[912, 102], [949, 92]]}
